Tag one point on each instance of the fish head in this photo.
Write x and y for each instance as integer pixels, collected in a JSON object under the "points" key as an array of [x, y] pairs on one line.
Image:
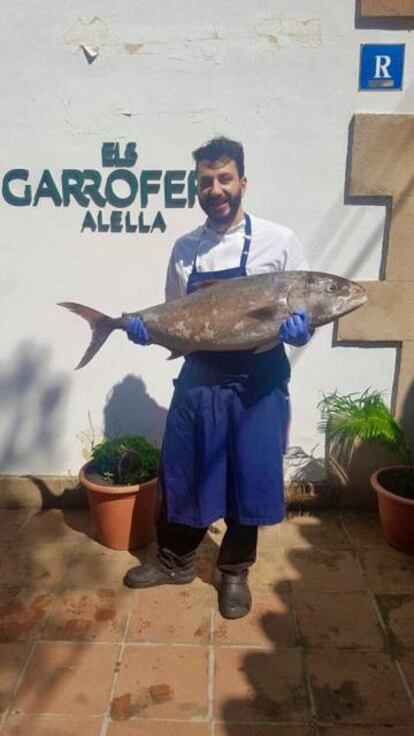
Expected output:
{"points": [[327, 297]]}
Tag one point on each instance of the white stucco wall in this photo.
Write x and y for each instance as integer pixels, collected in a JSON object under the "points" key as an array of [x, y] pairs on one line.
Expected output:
{"points": [[279, 75]]}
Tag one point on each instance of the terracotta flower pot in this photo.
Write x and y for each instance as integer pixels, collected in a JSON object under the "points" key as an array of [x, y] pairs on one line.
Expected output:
{"points": [[396, 512], [124, 516]]}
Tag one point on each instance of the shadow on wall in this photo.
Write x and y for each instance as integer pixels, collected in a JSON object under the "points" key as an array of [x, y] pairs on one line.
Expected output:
{"points": [[31, 402], [130, 410]]}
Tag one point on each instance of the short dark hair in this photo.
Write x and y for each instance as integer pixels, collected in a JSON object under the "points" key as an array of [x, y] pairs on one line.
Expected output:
{"points": [[221, 149]]}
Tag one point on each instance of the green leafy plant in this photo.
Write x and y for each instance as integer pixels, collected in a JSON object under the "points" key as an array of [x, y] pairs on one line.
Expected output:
{"points": [[365, 416], [126, 460]]}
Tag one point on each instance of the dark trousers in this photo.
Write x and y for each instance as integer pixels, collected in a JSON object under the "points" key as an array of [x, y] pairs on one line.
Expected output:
{"points": [[177, 544]]}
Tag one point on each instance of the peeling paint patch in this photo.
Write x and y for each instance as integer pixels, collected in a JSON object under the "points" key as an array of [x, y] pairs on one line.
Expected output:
{"points": [[281, 32], [132, 48], [210, 51], [203, 51], [94, 33], [91, 53]]}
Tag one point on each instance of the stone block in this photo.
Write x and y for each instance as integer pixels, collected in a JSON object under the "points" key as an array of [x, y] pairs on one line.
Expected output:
{"points": [[387, 8]]}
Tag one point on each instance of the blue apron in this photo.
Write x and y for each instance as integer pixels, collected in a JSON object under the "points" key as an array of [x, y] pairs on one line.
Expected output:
{"points": [[225, 435]]}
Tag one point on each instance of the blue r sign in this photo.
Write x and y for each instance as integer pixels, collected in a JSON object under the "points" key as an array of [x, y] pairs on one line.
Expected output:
{"points": [[381, 66]]}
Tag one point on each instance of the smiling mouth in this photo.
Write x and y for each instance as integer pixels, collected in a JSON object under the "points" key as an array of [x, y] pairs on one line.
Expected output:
{"points": [[219, 205]]}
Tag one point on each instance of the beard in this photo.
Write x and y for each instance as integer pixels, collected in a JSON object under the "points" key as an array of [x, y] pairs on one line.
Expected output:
{"points": [[209, 206]]}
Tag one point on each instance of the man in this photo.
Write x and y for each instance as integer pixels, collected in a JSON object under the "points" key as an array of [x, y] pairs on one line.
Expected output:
{"points": [[222, 454]]}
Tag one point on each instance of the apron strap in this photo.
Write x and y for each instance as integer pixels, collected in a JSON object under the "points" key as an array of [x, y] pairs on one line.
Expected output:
{"points": [[246, 244]]}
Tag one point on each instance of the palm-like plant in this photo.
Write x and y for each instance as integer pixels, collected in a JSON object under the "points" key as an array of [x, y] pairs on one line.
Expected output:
{"points": [[361, 416]]}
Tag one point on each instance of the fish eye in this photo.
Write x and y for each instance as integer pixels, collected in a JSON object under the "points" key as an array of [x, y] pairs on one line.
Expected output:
{"points": [[331, 288]]}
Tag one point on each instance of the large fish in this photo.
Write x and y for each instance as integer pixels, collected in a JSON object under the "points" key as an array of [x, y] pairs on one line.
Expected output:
{"points": [[238, 314]]}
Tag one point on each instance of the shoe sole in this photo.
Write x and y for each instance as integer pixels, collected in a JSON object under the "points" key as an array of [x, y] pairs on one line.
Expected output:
{"points": [[157, 583], [231, 616], [238, 611]]}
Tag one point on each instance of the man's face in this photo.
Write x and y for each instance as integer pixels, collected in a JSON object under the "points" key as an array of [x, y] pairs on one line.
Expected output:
{"points": [[220, 190]]}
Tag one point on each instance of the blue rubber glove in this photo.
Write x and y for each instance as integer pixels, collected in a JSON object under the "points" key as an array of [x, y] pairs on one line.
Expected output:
{"points": [[296, 329], [137, 332]]}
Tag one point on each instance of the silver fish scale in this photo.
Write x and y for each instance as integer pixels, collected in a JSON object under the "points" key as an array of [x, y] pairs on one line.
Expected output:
{"points": [[240, 314]]}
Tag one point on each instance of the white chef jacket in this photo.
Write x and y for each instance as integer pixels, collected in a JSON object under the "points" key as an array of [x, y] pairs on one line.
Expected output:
{"points": [[273, 247]]}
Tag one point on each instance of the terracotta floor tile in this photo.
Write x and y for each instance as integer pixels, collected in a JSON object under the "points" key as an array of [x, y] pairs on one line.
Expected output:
{"points": [[322, 531], [21, 612], [358, 687], [158, 728], [237, 729], [269, 571], [11, 521], [162, 682], [42, 565], [387, 570], [16, 517], [68, 678], [323, 570], [217, 529], [99, 615], [269, 624], [213, 539], [96, 566], [12, 659], [55, 526], [268, 537], [252, 685], [179, 614], [398, 614], [364, 529], [338, 620], [29, 725], [389, 730]]}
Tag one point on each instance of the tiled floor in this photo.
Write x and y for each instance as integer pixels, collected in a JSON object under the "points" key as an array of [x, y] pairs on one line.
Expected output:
{"points": [[328, 649]]}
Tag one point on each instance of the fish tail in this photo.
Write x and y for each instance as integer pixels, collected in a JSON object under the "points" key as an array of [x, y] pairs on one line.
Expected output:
{"points": [[100, 324]]}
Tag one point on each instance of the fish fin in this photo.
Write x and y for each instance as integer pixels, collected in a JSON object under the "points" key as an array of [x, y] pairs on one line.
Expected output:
{"points": [[264, 348], [263, 313], [174, 354], [100, 324]]}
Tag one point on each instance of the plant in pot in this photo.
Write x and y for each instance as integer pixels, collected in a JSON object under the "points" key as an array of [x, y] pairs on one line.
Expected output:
{"points": [[121, 481], [366, 449]]}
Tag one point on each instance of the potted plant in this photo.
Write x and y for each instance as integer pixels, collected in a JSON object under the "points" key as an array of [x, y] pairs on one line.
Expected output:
{"points": [[361, 436], [366, 442], [121, 482]]}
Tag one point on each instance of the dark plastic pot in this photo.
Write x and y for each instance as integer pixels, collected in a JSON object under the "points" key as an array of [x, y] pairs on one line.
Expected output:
{"points": [[396, 512], [124, 516]]}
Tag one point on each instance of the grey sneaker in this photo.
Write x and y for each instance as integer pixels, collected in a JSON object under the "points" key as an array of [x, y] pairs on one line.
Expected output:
{"points": [[234, 596], [150, 574]]}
